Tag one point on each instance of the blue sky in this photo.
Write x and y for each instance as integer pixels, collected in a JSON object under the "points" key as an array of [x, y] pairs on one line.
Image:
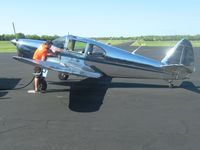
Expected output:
{"points": [[90, 18]]}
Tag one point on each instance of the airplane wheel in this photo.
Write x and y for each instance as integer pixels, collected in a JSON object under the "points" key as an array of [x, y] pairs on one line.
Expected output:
{"points": [[63, 76], [170, 83]]}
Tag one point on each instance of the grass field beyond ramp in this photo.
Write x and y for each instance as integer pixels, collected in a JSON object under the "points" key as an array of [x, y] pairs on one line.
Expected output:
{"points": [[161, 43], [114, 42], [7, 47]]}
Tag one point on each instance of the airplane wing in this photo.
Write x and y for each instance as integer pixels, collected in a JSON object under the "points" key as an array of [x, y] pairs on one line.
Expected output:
{"points": [[60, 67]]}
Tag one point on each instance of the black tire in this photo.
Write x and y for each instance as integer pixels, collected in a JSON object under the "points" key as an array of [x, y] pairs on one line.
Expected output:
{"points": [[63, 76]]}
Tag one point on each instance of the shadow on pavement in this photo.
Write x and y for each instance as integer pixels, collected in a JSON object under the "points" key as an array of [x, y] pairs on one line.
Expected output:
{"points": [[87, 95], [190, 87], [7, 84]]}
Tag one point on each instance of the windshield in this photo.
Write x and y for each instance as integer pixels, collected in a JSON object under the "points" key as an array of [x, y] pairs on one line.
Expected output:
{"points": [[59, 42]]}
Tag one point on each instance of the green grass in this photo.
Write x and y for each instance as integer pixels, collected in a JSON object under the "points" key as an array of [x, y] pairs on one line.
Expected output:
{"points": [[7, 47], [154, 43], [114, 42], [196, 43], [161, 43], [149, 43]]}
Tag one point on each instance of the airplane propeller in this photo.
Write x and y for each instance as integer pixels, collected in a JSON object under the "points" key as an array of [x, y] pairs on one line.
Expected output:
{"points": [[14, 32]]}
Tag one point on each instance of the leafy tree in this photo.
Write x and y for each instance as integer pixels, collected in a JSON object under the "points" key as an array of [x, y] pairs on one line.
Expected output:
{"points": [[20, 35], [34, 37], [6, 37]]}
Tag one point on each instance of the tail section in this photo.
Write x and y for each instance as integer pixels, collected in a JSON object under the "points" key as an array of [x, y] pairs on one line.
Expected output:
{"points": [[180, 55]]}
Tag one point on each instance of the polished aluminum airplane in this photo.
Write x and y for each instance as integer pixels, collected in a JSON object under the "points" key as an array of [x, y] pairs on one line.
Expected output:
{"points": [[89, 58]]}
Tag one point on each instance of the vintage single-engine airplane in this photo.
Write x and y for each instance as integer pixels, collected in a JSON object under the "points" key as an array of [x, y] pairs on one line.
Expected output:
{"points": [[89, 58]]}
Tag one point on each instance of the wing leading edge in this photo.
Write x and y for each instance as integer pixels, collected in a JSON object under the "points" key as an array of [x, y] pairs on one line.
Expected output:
{"points": [[59, 67]]}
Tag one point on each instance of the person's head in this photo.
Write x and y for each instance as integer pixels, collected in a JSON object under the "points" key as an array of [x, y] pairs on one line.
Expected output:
{"points": [[48, 43]]}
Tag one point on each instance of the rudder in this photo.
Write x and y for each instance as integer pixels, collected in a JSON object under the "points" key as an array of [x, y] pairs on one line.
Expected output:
{"points": [[181, 54]]}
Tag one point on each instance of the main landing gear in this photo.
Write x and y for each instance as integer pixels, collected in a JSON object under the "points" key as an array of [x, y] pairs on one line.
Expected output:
{"points": [[42, 83], [170, 83], [63, 76]]}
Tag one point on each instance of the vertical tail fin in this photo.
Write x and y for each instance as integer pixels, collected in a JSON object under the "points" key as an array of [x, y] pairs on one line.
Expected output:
{"points": [[181, 54]]}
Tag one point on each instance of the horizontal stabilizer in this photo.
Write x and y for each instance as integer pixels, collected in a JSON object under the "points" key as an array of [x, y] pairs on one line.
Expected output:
{"points": [[177, 71]]}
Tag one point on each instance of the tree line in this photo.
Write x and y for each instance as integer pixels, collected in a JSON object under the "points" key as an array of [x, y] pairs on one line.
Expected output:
{"points": [[155, 38], [7, 37]]}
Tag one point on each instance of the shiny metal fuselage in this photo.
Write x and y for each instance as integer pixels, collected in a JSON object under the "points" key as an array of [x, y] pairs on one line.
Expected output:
{"points": [[26, 47], [113, 62], [123, 64]]}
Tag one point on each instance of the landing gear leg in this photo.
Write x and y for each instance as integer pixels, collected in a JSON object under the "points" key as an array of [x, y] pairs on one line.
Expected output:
{"points": [[170, 83]]}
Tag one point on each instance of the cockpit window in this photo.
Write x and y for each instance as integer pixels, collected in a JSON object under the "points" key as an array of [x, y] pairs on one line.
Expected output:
{"points": [[60, 42], [96, 50], [76, 46]]}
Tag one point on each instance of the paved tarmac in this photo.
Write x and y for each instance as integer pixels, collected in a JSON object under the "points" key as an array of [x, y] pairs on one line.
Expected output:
{"points": [[104, 114]]}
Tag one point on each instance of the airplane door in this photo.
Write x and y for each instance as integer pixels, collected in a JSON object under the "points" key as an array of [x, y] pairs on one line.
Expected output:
{"points": [[96, 58], [76, 52]]}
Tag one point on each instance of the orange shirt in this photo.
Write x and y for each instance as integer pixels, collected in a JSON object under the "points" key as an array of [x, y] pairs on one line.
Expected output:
{"points": [[41, 52]]}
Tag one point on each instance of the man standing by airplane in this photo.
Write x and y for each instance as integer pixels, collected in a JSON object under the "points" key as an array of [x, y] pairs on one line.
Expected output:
{"points": [[41, 54]]}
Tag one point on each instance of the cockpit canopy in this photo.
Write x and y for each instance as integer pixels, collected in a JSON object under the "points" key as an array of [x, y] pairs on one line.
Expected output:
{"points": [[78, 45]]}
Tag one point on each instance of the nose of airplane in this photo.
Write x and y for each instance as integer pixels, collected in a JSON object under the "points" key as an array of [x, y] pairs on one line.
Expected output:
{"points": [[14, 41]]}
